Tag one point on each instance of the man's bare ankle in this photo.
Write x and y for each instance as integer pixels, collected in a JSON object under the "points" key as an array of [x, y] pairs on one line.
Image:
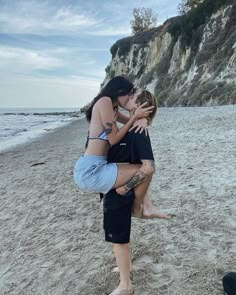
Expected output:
{"points": [[125, 285]]}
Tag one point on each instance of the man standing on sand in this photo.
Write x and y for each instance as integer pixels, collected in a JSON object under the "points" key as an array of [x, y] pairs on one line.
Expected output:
{"points": [[134, 148]]}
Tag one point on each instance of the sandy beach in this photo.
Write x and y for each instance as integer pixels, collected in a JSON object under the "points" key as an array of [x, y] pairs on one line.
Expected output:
{"points": [[52, 240]]}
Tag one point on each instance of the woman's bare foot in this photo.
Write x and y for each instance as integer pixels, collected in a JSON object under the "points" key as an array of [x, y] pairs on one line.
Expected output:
{"points": [[149, 213], [137, 211]]}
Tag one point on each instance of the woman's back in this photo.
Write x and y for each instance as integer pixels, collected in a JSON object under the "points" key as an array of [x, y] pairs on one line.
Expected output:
{"points": [[98, 143]]}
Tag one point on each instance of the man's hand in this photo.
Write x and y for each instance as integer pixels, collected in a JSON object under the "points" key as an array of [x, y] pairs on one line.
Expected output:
{"points": [[140, 125], [121, 190]]}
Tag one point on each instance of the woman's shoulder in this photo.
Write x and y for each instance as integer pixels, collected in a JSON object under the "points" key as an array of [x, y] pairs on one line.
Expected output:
{"points": [[104, 101], [105, 98]]}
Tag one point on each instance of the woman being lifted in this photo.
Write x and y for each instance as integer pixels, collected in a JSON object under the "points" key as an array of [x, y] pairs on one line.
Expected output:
{"points": [[92, 172]]}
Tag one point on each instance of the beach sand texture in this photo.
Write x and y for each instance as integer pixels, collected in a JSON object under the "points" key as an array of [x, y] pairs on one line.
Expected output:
{"points": [[51, 236]]}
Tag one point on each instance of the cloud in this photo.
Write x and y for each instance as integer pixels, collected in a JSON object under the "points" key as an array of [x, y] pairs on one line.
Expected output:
{"points": [[110, 31], [38, 17], [43, 18], [75, 18], [18, 59], [74, 91], [53, 53]]}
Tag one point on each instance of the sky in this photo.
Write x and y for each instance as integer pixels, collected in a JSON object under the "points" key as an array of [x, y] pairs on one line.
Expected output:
{"points": [[54, 53]]}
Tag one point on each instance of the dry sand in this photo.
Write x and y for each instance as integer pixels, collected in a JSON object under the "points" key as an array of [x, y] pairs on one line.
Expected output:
{"points": [[51, 233]]}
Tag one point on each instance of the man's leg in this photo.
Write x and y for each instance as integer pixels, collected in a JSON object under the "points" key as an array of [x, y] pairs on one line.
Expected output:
{"points": [[122, 254], [130, 260], [116, 269]]}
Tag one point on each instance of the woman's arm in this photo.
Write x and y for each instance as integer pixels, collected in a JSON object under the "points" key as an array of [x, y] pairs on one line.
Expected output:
{"points": [[122, 118], [146, 170], [106, 111], [139, 125]]}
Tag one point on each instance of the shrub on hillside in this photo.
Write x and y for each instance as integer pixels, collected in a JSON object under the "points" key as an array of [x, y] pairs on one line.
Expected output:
{"points": [[141, 39], [143, 20], [187, 25]]}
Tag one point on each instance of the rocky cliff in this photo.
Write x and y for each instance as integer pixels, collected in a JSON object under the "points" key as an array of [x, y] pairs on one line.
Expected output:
{"points": [[189, 60]]}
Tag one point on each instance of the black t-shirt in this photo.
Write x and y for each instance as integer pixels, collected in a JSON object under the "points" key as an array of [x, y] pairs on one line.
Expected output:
{"points": [[133, 148]]}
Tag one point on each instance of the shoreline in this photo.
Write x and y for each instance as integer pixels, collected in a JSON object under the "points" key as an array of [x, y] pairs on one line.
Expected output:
{"points": [[34, 134], [52, 239]]}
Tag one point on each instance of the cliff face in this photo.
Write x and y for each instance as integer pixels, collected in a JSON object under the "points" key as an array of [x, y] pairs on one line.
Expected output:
{"points": [[189, 60]]}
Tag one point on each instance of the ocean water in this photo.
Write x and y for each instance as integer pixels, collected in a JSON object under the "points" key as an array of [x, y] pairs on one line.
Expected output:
{"points": [[23, 125]]}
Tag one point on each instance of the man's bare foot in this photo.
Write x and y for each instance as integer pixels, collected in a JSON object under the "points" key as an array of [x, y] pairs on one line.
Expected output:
{"points": [[121, 291], [116, 269], [153, 212]]}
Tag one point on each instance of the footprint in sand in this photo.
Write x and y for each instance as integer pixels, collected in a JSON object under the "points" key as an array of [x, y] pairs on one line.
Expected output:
{"points": [[142, 261], [162, 276]]}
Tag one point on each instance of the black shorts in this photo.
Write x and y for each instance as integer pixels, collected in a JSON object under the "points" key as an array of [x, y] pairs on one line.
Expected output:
{"points": [[117, 217]]}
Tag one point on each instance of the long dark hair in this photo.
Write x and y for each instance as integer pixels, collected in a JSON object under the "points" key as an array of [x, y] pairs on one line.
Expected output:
{"points": [[117, 86]]}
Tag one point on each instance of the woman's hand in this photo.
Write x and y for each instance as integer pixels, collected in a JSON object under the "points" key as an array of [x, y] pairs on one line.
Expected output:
{"points": [[121, 190], [140, 125], [142, 112]]}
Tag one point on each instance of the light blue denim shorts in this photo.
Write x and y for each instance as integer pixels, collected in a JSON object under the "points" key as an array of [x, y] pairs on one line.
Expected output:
{"points": [[94, 174]]}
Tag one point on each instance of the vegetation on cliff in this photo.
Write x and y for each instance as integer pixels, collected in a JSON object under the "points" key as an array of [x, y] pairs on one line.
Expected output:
{"points": [[208, 55]]}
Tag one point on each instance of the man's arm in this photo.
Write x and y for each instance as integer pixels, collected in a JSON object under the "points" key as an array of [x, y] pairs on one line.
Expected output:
{"points": [[139, 125], [146, 170]]}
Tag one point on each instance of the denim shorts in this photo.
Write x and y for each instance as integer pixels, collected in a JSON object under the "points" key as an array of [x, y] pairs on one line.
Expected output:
{"points": [[94, 174]]}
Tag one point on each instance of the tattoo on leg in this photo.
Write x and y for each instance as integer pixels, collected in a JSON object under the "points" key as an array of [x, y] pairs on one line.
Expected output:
{"points": [[138, 178]]}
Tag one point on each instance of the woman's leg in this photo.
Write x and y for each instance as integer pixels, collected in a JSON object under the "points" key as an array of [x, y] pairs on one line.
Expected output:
{"points": [[142, 207], [149, 211], [125, 173], [140, 193], [122, 254], [147, 208]]}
